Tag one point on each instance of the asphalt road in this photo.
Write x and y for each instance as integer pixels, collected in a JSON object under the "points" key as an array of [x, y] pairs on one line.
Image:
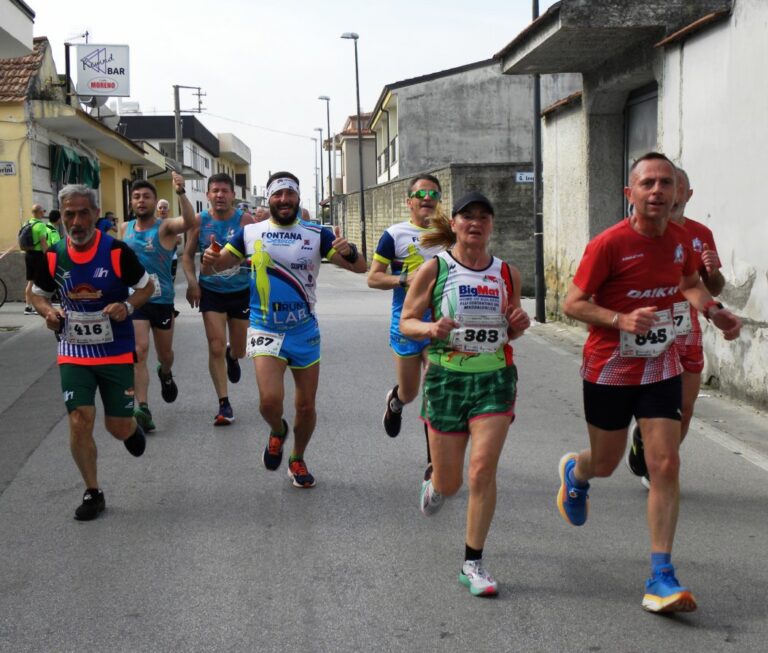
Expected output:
{"points": [[202, 549]]}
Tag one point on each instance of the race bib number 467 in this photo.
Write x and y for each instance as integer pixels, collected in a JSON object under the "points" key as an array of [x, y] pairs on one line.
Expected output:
{"points": [[263, 343]]}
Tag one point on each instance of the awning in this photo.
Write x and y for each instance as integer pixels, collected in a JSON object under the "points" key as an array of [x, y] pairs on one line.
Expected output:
{"points": [[69, 167]]}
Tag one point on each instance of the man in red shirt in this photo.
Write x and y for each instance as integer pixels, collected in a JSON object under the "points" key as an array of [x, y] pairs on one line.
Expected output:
{"points": [[687, 327], [625, 288]]}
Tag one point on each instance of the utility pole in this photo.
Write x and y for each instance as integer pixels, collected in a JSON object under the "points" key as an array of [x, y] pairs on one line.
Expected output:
{"points": [[179, 154], [538, 196]]}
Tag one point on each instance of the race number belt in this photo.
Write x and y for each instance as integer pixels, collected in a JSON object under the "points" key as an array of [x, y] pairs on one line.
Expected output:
{"points": [[682, 317], [479, 334], [653, 343], [86, 328], [263, 343], [156, 280], [229, 272]]}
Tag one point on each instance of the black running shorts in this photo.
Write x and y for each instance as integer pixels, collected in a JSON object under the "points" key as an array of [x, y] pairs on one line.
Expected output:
{"points": [[611, 407]]}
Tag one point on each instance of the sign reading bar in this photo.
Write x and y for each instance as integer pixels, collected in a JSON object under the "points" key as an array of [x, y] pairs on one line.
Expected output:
{"points": [[7, 168], [524, 177], [103, 70]]}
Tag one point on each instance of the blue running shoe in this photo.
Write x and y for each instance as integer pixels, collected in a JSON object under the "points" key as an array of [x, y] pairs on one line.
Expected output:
{"points": [[572, 501], [225, 416], [663, 593]]}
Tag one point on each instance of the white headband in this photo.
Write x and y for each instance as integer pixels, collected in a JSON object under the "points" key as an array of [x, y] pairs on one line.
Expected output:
{"points": [[280, 184]]}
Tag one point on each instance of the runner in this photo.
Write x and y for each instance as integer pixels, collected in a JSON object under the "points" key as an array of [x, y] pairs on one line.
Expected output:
{"points": [[687, 327], [222, 297], [163, 210], [471, 383], [43, 237], [625, 288], [400, 249], [93, 272], [154, 242], [284, 255]]}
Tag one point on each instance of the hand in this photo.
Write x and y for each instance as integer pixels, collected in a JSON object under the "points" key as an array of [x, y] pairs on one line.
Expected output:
{"points": [[710, 259], [517, 319], [340, 244], [116, 311], [639, 321], [727, 322], [178, 181], [212, 254], [441, 329], [52, 318], [193, 295]]}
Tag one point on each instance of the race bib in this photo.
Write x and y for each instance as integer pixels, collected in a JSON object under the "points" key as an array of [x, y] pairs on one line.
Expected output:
{"points": [[156, 280], [479, 334], [85, 328], [263, 343], [652, 344], [682, 317]]}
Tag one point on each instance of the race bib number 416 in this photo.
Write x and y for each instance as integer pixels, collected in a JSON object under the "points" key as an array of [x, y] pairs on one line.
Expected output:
{"points": [[84, 328], [652, 344], [263, 343]]}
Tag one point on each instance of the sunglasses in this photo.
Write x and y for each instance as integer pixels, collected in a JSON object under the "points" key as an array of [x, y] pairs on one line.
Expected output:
{"points": [[421, 194]]}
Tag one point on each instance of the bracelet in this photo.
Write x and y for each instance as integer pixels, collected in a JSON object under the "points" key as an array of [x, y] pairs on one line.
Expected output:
{"points": [[615, 321], [128, 307], [351, 257], [708, 305]]}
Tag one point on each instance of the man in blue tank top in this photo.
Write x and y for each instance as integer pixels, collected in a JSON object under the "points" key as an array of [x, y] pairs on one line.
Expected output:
{"points": [[154, 241], [223, 297]]}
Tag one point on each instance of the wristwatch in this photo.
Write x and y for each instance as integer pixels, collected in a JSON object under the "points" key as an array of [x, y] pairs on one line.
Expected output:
{"points": [[709, 305], [128, 307], [181, 192]]}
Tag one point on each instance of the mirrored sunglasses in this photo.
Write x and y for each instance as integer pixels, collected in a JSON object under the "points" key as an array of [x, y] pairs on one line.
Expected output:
{"points": [[421, 194]]}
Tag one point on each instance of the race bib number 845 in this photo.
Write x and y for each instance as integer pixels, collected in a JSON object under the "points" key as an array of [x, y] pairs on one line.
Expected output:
{"points": [[652, 344]]}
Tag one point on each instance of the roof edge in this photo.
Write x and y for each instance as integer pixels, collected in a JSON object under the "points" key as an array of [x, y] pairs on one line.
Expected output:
{"points": [[695, 26], [539, 23]]}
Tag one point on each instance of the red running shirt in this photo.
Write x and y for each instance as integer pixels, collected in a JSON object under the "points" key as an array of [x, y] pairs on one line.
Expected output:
{"points": [[623, 271]]}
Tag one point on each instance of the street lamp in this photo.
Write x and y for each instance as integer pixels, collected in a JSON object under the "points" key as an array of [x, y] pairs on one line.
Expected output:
{"points": [[354, 37], [327, 101], [322, 193], [317, 190]]}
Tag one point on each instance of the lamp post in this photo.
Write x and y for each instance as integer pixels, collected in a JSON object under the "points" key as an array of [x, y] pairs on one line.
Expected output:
{"points": [[354, 36], [322, 193], [317, 189], [327, 101]]}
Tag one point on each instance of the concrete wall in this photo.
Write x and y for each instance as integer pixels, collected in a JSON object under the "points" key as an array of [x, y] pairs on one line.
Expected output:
{"points": [[15, 190], [477, 116], [513, 202], [712, 120]]}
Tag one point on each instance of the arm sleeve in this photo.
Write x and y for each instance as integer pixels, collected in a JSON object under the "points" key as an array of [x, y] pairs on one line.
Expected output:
{"points": [[326, 241], [42, 280], [385, 250], [132, 271]]}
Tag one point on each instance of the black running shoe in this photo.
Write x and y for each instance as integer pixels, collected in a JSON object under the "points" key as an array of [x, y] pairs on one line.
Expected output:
{"points": [[273, 452], [392, 419], [233, 366], [136, 443], [168, 388], [93, 504], [636, 454]]}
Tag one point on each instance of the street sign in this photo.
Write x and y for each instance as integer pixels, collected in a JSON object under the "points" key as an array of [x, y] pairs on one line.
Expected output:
{"points": [[7, 168], [103, 70], [524, 177]]}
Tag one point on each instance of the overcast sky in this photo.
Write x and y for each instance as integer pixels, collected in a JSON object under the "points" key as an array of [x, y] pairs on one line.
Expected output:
{"points": [[263, 64]]}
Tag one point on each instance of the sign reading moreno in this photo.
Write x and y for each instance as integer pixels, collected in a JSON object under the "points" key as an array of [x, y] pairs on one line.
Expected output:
{"points": [[103, 70]]}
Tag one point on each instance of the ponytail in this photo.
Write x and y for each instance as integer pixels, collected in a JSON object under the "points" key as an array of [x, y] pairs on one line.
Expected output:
{"points": [[440, 233]]}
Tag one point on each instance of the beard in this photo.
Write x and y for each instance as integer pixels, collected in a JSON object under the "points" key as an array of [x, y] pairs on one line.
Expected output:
{"points": [[146, 215], [275, 213], [80, 236]]}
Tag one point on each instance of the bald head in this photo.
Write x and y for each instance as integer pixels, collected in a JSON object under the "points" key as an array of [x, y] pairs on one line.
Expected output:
{"points": [[683, 193], [38, 211]]}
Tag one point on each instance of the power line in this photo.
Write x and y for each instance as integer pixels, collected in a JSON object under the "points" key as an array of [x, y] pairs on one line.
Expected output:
{"points": [[250, 124]]}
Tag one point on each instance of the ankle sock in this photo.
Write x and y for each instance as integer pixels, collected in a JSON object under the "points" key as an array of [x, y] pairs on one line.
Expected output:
{"points": [[575, 481], [659, 561], [224, 401], [472, 554]]}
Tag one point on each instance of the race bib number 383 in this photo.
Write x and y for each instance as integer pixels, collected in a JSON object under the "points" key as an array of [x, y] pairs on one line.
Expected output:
{"points": [[651, 344], [263, 343], [479, 334]]}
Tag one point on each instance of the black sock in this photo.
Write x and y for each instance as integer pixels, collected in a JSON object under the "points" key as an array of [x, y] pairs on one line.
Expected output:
{"points": [[472, 554], [224, 401], [429, 453], [136, 443]]}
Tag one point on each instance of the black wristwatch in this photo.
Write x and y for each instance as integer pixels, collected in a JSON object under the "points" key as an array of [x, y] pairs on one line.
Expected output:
{"points": [[351, 257], [181, 192]]}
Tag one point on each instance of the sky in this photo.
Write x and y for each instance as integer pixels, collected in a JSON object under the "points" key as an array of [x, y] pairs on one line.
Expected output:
{"points": [[262, 65]]}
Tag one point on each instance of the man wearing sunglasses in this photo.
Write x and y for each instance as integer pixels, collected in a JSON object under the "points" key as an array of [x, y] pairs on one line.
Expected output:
{"points": [[400, 250]]}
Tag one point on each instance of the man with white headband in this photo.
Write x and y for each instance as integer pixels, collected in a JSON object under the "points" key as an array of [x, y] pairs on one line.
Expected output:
{"points": [[223, 296], [284, 255]]}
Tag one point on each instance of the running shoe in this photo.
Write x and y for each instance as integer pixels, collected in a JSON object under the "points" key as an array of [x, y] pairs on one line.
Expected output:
{"points": [[93, 504], [299, 474], [636, 455], [430, 500], [137, 443], [273, 452], [392, 419], [663, 593], [144, 417], [474, 576], [233, 366], [225, 416], [168, 388], [645, 481], [572, 501], [28, 310]]}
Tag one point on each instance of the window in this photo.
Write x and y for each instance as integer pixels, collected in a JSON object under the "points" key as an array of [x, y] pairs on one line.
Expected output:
{"points": [[393, 150]]}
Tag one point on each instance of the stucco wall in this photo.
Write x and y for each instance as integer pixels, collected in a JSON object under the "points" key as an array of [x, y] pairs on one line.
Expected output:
{"points": [[15, 190], [714, 107]]}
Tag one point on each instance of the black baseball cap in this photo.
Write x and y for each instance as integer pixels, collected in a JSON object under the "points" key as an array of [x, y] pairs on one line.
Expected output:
{"points": [[471, 198]]}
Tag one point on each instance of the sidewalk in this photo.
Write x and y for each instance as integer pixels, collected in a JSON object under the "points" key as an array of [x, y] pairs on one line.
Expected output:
{"points": [[738, 427]]}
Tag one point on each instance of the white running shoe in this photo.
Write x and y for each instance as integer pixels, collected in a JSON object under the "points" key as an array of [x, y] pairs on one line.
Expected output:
{"points": [[474, 576], [430, 501]]}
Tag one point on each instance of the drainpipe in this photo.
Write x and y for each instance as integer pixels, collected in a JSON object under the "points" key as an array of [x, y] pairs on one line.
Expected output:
{"points": [[389, 144], [538, 216]]}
